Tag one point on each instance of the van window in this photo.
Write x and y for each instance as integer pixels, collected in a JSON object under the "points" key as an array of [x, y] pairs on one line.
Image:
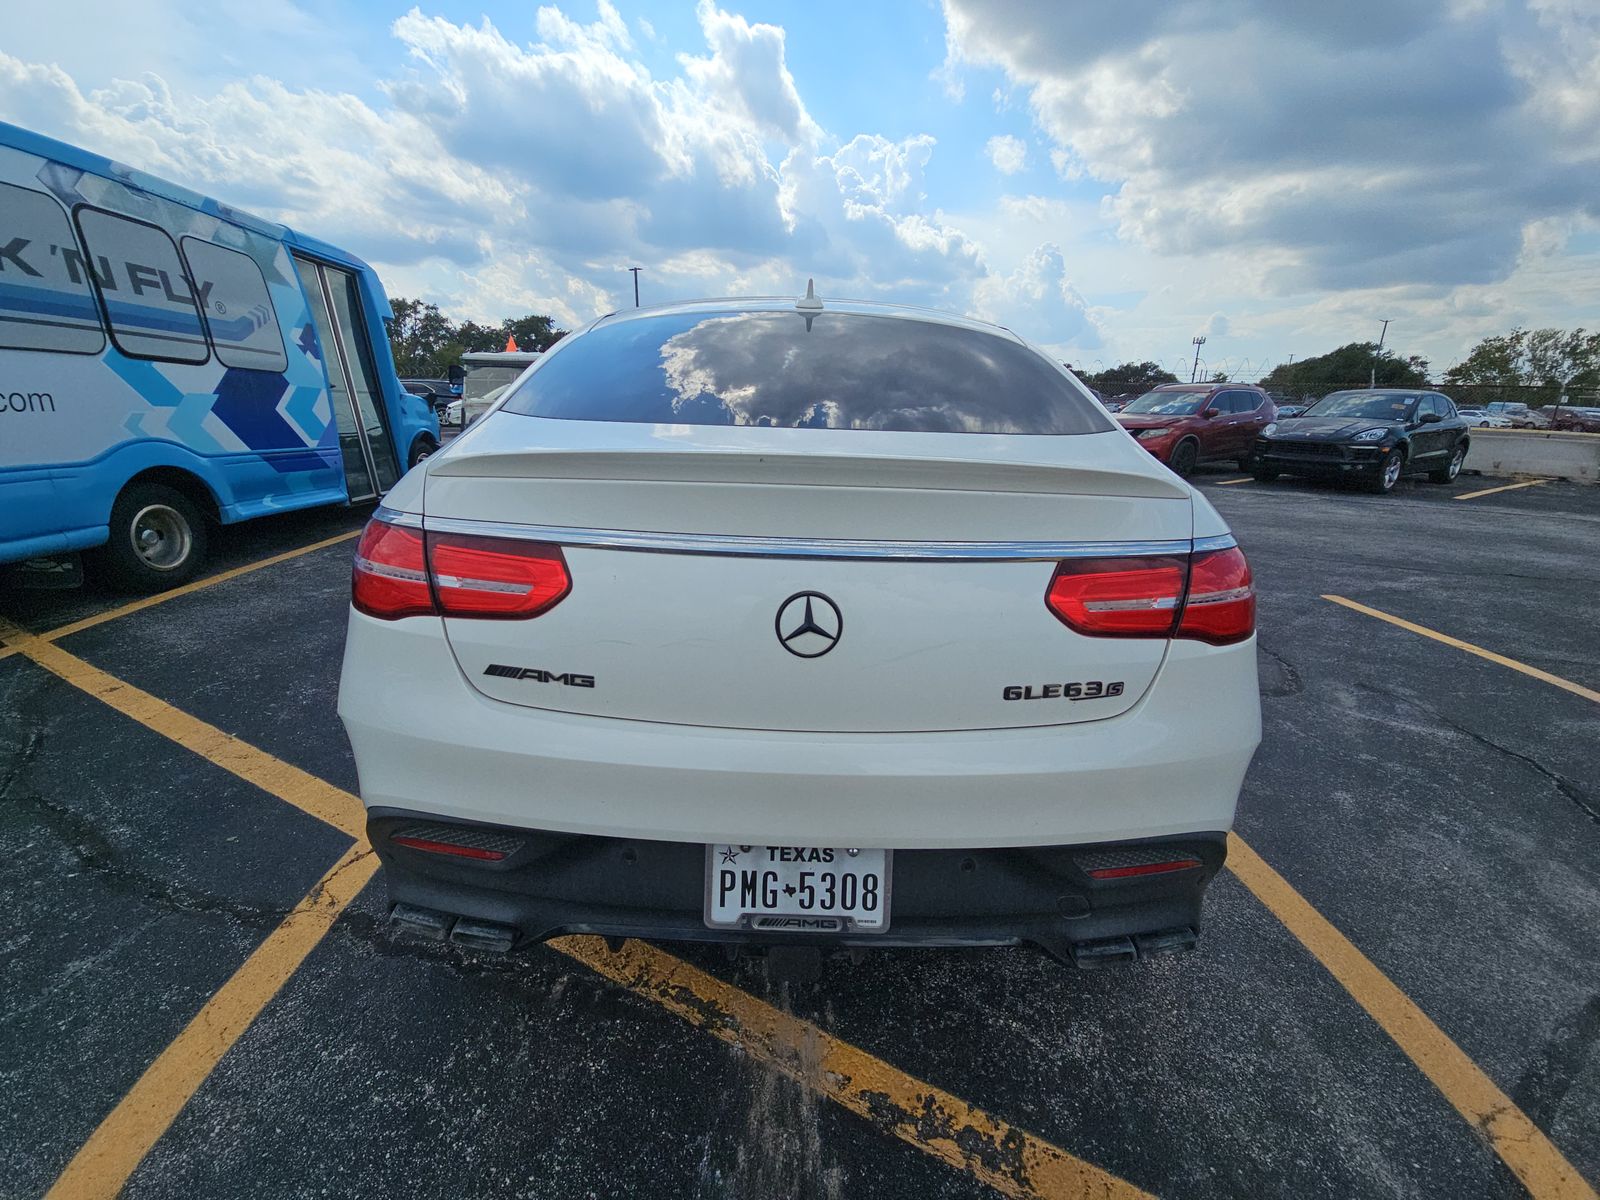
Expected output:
{"points": [[793, 370], [45, 301], [144, 293], [244, 329]]}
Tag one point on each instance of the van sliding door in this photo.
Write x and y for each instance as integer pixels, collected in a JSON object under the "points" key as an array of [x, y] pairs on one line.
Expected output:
{"points": [[370, 467]]}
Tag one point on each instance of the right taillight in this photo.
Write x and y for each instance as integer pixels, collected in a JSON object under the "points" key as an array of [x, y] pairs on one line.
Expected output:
{"points": [[404, 572], [1221, 605], [1118, 597], [1206, 596]]}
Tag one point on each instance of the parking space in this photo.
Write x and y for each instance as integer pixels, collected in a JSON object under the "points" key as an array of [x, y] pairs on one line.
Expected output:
{"points": [[1439, 809]]}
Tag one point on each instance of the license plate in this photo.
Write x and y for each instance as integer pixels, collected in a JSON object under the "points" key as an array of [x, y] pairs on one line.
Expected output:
{"points": [[797, 889]]}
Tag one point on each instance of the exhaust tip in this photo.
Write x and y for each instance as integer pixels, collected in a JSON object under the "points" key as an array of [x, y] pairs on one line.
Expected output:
{"points": [[1167, 941], [422, 923], [483, 935], [1105, 952]]}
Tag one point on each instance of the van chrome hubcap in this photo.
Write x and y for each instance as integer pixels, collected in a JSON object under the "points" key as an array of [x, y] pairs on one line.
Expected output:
{"points": [[161, 537]]}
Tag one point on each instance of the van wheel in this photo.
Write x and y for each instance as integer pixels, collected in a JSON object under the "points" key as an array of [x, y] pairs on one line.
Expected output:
{"points": [[1184, 457], [421, 449], [158, 540]]}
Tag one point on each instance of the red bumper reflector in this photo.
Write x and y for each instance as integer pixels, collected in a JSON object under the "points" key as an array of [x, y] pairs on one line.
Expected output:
{"points": [[1160, 868], [417, 843]]}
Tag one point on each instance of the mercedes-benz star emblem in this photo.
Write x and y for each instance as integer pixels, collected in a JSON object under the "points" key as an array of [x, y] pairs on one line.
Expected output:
{"points": [[809, 624]]}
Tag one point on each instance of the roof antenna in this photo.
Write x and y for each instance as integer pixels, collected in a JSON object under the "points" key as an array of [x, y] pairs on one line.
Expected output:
{"points": [[809, 302]]}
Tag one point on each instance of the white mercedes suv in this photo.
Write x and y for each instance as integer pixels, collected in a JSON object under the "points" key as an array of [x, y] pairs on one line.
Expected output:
{"points": [[778, 622]]}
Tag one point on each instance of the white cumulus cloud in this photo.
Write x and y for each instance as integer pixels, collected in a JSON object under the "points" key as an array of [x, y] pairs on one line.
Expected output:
{"points": [[1008, 153]]}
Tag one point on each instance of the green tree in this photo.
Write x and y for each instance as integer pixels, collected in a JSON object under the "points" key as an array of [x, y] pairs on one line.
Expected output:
{"points": [[1545, 360], [476, 338], [418, 337], [1347, 367], [427, 343], [531, 332], [1129, 377], [1494, 362]]}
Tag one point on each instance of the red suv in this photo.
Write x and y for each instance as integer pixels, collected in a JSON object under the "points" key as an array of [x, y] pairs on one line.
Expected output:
{"points": [[1184, 424]]}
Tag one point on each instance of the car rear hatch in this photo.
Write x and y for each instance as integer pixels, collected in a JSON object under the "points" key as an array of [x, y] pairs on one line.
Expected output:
{"points": [[819, 580]]}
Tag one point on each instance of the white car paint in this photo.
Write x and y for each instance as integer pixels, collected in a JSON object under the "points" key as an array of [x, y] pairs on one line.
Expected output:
{"points": [[425, 740], [701, 728]]}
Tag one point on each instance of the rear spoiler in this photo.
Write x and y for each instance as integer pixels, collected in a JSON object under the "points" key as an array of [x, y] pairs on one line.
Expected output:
{"points": [[733, 465]]}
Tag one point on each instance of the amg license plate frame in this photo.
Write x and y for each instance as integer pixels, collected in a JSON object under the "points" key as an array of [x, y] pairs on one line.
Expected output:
{"points": [[798, 889]]}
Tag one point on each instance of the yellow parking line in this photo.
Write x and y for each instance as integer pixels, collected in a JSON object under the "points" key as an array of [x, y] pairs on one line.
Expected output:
{"points": [[119, 1144], [1009, 1160], [1521, 1145], [198, 585], [1509, 487], [305, 791], [1006, 1158], [139, 605], [1231, 482], [1577, 689]]}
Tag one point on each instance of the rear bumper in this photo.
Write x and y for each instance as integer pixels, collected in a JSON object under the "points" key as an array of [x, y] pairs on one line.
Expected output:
{"points": [[556, 884], [426, 741]]}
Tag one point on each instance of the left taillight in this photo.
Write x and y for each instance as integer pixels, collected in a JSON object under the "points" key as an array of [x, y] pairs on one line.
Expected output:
{"points": [[390, 580], [402, 572]]}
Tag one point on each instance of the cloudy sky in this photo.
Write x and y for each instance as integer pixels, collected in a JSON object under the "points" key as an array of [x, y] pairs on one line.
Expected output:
{"points": [[1109, 180]]}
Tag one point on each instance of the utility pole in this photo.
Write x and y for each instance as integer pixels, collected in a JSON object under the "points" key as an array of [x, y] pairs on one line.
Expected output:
{"points": [[636, 271], [1372, 381], [1198, 340]]}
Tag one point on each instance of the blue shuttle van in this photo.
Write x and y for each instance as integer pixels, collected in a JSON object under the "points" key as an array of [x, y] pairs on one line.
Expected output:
{"points": [[167, 362]]}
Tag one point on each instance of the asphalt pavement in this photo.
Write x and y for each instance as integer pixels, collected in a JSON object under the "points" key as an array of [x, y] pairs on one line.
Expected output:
{"points": [[1438, 808]]}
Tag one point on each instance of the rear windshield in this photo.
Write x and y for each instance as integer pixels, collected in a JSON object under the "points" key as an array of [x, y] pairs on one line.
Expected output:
{"points": [[806, 371]]}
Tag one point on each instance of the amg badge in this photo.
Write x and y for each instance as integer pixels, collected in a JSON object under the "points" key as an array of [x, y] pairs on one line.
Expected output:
{"points": [[799, 924], [570, 678]]}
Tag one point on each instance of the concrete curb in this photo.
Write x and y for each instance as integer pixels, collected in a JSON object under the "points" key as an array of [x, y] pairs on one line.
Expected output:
{"points": [[1535, 453]]}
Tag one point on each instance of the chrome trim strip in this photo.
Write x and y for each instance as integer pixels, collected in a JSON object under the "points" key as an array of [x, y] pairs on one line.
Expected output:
{"points": [[1221, 541], [407, 574], [393, 516], [747, 546], [482, 585]]}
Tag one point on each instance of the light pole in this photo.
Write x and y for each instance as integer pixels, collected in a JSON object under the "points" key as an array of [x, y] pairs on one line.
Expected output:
{"points": [[1198, 340], [1372, 380], [636, 271]]}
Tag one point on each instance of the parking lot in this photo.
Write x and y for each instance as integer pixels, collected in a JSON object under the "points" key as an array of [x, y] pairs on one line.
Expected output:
{"points": [[1396, 992]]}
